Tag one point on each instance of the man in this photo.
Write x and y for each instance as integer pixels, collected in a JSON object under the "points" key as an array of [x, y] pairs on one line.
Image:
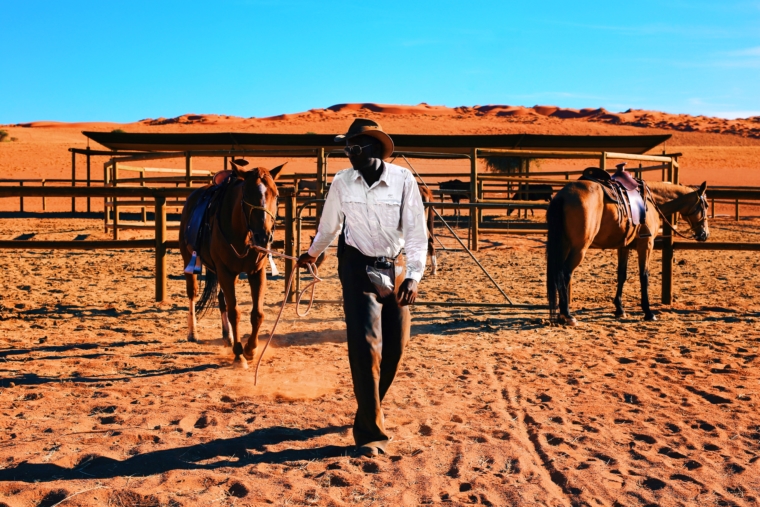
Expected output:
{"points": [[377, 209]]}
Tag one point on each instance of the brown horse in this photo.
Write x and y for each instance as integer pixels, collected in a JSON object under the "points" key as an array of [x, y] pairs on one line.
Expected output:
{"points": [[244, 219], [579, 219]]}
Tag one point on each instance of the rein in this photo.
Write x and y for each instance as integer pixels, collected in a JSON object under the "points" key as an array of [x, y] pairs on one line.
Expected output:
{"points": [[700, 199], [246, 216], [313, 285]]}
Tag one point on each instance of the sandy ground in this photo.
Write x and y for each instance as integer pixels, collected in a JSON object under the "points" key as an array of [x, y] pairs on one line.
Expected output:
{"points": [[104, 399], [103, 402]]}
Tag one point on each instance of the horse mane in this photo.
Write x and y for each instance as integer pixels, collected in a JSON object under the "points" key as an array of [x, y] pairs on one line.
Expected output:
{"points": [[662, 191]]}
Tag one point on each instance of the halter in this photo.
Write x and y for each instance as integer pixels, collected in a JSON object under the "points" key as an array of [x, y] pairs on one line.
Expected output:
{"points": [[253, 207], [246, 219], [701, 204]]}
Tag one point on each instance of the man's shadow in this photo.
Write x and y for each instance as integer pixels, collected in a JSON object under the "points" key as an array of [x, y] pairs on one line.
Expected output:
{"points": [[232, 452]]}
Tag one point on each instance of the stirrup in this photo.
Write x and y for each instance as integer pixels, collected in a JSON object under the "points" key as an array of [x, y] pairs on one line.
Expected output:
{"points": [[194, 266], [644, 231], [273, 267]]}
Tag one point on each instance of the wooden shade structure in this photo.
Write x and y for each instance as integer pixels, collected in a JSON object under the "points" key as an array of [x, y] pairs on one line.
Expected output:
{"points": [[300, 144]]}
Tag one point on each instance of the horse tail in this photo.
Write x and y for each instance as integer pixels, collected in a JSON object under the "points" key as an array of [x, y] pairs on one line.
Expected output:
{"points": [[208, 295], [555, 281]]}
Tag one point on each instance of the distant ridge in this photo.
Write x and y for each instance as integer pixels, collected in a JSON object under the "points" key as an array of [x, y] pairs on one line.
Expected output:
{"points": [[746, 127]]}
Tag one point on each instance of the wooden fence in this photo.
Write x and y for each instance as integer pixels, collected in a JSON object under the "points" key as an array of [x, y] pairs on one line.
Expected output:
{"points": [[289, 200]]}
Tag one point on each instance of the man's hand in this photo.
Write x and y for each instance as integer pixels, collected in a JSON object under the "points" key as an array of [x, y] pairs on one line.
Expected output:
{"points": [[305, 259], [407, 293]]}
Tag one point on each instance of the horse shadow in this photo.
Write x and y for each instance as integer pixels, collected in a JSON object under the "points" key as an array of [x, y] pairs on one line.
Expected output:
{"points": [[7, 353], [32, 379], [235, 452]]}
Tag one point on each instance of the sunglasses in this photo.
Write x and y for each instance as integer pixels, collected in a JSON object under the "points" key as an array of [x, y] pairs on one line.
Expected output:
{"points": [[355, 150]]}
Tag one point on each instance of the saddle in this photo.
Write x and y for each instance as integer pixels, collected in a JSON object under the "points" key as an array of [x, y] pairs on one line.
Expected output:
{"points": [[626, 192], [198, 229]]}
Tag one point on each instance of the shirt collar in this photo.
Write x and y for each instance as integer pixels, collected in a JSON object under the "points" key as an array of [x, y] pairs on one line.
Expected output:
{"points": [[383, 177]]}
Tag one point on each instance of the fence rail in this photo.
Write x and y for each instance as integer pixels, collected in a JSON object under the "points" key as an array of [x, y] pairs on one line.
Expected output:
{"points": [[159, 196]]}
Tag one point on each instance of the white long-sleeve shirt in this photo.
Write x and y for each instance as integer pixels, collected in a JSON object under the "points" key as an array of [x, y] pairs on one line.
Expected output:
{"points": [[380, 220]]}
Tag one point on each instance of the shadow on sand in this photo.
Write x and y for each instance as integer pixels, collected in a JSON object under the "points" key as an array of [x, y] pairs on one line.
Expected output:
{"points": [[230, 452], [32, 379]]}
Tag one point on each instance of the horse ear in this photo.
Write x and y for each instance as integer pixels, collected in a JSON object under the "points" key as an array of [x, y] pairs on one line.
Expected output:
{"points": [[702, 188], [237, 167], [275, 173]]}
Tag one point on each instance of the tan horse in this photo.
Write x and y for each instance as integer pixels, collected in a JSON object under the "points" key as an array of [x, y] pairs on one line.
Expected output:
{"points": [[245, 218], [579, 219]]}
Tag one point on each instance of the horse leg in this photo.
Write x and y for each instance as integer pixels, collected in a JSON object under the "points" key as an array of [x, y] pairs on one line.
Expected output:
{"points": [[433, 258], [227, 283], [258, 282], [191, 282], [645, 248], [574, 259], [225, 320], [622, 274]]}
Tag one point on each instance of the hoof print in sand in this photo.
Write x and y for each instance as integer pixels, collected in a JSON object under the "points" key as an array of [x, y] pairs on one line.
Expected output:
{"points": [[205, 421]]}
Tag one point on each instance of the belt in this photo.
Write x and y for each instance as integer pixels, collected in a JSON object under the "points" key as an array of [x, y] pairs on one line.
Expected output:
{"points": [[381, 262]]}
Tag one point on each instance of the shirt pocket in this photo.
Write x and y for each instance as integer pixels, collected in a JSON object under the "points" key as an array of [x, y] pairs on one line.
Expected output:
{"points": [[389, 213], [354, 208]]}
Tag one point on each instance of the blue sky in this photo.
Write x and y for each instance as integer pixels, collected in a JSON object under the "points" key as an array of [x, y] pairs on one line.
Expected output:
{"points": [[123, 61]]}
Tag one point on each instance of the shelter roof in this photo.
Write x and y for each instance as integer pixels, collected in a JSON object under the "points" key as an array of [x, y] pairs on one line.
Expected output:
{"points": [[454, 144]]}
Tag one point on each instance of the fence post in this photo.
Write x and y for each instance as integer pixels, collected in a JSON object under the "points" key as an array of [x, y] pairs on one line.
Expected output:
{"points": [[44, 203], [115, 201], [106, 169], [524, 194], [737, 211], [21, 198], [712, 208], [73, 179], [474, 199], [667, 253], [188, 169], [479, 214], [160, 216], [142, 199], [289, 196], [89, 209], [321, 183]]}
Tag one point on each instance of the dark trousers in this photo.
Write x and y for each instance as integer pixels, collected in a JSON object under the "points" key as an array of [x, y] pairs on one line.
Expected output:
{"points": [[377, 331]]}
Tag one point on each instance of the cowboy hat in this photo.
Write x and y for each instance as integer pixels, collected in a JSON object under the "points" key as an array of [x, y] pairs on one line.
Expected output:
{"points": [[367, 127]]}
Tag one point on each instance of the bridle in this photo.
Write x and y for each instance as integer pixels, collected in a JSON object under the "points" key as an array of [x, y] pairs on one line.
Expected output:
{"points": [[700, 206], [247, 209]]}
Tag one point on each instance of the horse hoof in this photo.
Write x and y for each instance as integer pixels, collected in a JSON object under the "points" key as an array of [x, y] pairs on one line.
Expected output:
{"points": [[240, 363], [568, 321], [249, 355], [650, 318], [621, 315], [191, 338], [226, 343]]}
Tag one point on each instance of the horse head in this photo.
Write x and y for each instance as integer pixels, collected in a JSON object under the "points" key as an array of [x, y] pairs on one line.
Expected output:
{"points": [[259, 201], [695, 212]]}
